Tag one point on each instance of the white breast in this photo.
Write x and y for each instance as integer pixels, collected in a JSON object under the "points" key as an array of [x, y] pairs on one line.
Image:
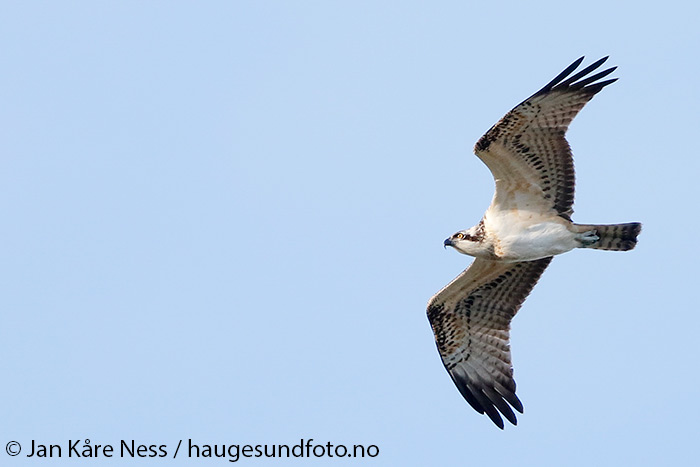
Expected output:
{"points": [[524, 236]]}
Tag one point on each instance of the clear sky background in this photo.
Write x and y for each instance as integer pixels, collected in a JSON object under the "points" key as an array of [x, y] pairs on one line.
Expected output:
{"points": [[223, 220]]}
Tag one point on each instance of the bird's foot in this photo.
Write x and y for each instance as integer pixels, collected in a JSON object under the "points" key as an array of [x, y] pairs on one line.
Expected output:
{"points": [[588, 238]]}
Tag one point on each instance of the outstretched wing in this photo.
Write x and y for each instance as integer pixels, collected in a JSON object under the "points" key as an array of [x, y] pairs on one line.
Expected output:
{"points": [[526, 150], [471, 321]]}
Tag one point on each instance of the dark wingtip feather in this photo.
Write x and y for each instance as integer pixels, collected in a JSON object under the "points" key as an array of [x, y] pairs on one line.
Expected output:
{"points": [[461, 384], [594, 88], [495, 416], [510, 397], [590, 79], [478, 400], [574, 82], [548, 87], [502, 406], [517, 405]]}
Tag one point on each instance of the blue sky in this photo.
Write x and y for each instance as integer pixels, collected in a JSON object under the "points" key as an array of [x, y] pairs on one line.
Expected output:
{"points": [[222, 222]]}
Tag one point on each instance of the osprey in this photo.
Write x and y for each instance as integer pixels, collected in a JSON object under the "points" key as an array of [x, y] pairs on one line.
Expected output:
{"points": [[527, 223]]}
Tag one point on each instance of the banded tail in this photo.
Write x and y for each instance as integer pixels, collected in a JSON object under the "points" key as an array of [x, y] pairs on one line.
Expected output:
{"points": [[615, 237]]}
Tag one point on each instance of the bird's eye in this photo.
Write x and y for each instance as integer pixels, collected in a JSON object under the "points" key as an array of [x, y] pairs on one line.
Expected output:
{"points": [[459, 236]]}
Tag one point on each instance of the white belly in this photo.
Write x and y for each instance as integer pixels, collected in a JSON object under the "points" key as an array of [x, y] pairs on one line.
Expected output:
{"points": [[524, 237]]}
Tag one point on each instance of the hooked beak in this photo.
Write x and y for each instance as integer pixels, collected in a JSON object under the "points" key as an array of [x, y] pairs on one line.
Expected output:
{"points": [[447, 243]]}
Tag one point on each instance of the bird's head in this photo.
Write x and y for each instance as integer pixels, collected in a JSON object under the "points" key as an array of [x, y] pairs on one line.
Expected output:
{"points": [[467, 241]]}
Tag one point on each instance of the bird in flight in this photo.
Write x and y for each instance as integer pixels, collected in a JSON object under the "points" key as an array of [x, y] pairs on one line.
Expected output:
{"points": [[527, 223]]}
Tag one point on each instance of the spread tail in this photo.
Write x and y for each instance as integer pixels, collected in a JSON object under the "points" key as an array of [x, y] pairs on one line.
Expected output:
{"points": [[615, 237]]}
